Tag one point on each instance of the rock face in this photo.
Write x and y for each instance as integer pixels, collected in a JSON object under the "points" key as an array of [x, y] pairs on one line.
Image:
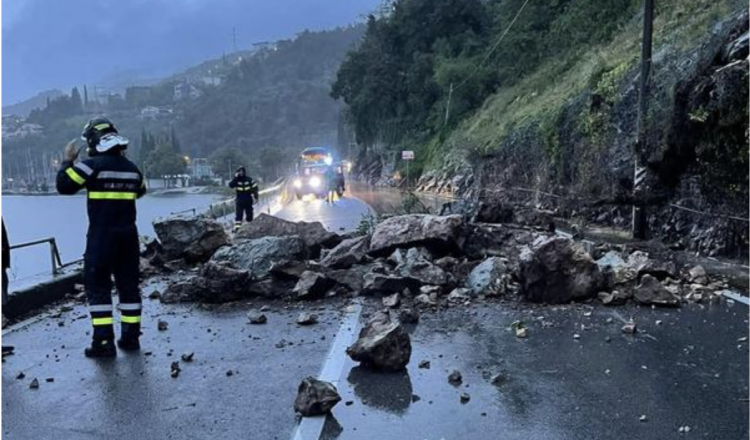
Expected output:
{"points": [[312, 285], [383, 344], [440, 233], [348, 253], [315, 397], [489, 278], [558, 271], [195, 239], [314, 235], [651, 292], [258, 255]]}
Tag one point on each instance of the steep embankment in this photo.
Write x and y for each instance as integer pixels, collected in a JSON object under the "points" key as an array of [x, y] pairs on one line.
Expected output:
{"points": [[569, 128]]}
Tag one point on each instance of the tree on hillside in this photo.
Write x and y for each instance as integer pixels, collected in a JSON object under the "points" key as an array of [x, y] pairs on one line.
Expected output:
{"points": [[226, 160], [76, 104], [174, 141], [164, 161], [270, 163]]}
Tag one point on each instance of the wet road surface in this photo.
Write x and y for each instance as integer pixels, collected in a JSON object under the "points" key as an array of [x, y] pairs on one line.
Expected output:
{"points": [[133, 396], [343, 215], [690, 370]]}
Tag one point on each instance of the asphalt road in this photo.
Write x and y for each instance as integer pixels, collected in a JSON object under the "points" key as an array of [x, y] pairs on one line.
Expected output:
{"points": [[685, 367]]}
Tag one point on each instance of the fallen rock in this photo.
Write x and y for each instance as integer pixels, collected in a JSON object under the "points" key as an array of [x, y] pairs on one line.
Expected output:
{"points": [[482, 240], [312, 285], [194, 240], [414, 265], [490, 278], [306, 318], [380, 283], [382, 344], [289, 269], [652, 291], [174, 369], [616, 269], [455, 378], [34, 384], [493, 211], [408, 316], [352, 279], [257, 256], [315, 397], [465, 397], [392, 301], [424, 299], [347, 253], [314, 235], [435, 232], [222, 284], [425, 364], [257, 318], [558, 271], [615, 297], [629, 328], [459, 294], [162, 325], [697, 275], [187, 357]]}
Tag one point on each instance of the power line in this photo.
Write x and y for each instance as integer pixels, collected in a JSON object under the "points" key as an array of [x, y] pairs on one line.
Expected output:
{"points": [[495, 46]]}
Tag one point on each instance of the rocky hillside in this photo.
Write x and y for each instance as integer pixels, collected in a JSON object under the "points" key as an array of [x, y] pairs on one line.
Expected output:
{"points": [[560, 134]]}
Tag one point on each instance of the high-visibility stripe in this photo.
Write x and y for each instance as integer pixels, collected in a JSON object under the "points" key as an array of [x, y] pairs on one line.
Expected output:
{"points": [[130, 319], [85, 168], [130, 306], [112, 195], [101, 321], [75, 177], [99, 127], [100, 308], [119, 175]]}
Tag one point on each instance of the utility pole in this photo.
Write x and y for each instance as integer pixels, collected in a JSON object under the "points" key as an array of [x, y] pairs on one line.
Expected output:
{"points": [[640, 213]]}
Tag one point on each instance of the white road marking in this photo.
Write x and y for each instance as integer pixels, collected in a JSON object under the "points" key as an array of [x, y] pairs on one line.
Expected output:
{"points": [[735, 296], [310, 428]]}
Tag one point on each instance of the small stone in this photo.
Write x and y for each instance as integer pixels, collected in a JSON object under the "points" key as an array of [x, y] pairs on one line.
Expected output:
{"points": [[658, 322], [349, 403], [34, 384], [408, 316], [498, 379], [306, 318], [257, 318], [576, 336], [162, 325], [629, 328], [154, 295], [21, 375], [50, 379], [424, 364], [643, 418], [415, 398], [229, 373], [175, 369], [465, 397], [187, 357], [455, 378]]}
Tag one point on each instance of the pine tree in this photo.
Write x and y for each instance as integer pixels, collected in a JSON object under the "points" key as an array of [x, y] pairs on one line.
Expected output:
{"points": [[76, 105], [175, 142], [85, 96]]}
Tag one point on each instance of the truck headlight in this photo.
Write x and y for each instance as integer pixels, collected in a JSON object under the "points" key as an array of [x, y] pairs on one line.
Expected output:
{"points": [[315, 182], [297, 183]]}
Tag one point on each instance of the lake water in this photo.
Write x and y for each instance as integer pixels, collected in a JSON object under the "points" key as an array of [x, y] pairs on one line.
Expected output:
{"points": [[29, 218]]}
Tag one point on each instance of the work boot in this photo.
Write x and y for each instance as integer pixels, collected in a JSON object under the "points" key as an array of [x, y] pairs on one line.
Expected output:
{"points": [[101, 348], [129, 343]]}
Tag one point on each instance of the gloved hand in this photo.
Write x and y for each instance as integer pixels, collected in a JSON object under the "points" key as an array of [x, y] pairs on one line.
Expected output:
{"points": [[70, 153]]}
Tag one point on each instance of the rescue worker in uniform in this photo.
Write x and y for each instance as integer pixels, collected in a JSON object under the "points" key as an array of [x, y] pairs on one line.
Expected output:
{"points": [[247, 194], [113, 183]]}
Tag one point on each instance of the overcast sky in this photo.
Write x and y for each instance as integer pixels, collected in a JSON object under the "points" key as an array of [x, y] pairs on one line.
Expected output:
{"points": [[58, 43]]}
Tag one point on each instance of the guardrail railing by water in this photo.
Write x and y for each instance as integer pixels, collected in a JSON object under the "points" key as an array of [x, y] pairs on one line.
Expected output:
{"points": [[55, 259]]}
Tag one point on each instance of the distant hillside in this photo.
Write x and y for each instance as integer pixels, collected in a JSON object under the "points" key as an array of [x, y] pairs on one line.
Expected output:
{"points": [[23, 108]]}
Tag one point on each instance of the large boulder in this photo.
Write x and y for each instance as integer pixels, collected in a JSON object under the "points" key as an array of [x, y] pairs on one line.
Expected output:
{"points": [[383, 344], [194, 239], [489, 278], [484, 240], [259, 255], [652, 292], [493, 211], [438, 233], [558, 270], [351, 279], [312, 285], [347, 253], [416, 266], [315, 397], [214, 284], [386, 284], [313, 234]]}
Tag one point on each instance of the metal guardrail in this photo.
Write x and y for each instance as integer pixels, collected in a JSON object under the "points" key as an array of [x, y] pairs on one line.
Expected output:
{"points": [[226, 207], [57, 263]]}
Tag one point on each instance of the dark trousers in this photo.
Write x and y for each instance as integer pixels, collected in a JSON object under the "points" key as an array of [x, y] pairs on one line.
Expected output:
{"points": [[243, 208], [113, 252]]}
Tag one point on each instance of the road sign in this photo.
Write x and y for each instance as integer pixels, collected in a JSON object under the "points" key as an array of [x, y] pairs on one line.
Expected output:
{"points": [[407, 155]]}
